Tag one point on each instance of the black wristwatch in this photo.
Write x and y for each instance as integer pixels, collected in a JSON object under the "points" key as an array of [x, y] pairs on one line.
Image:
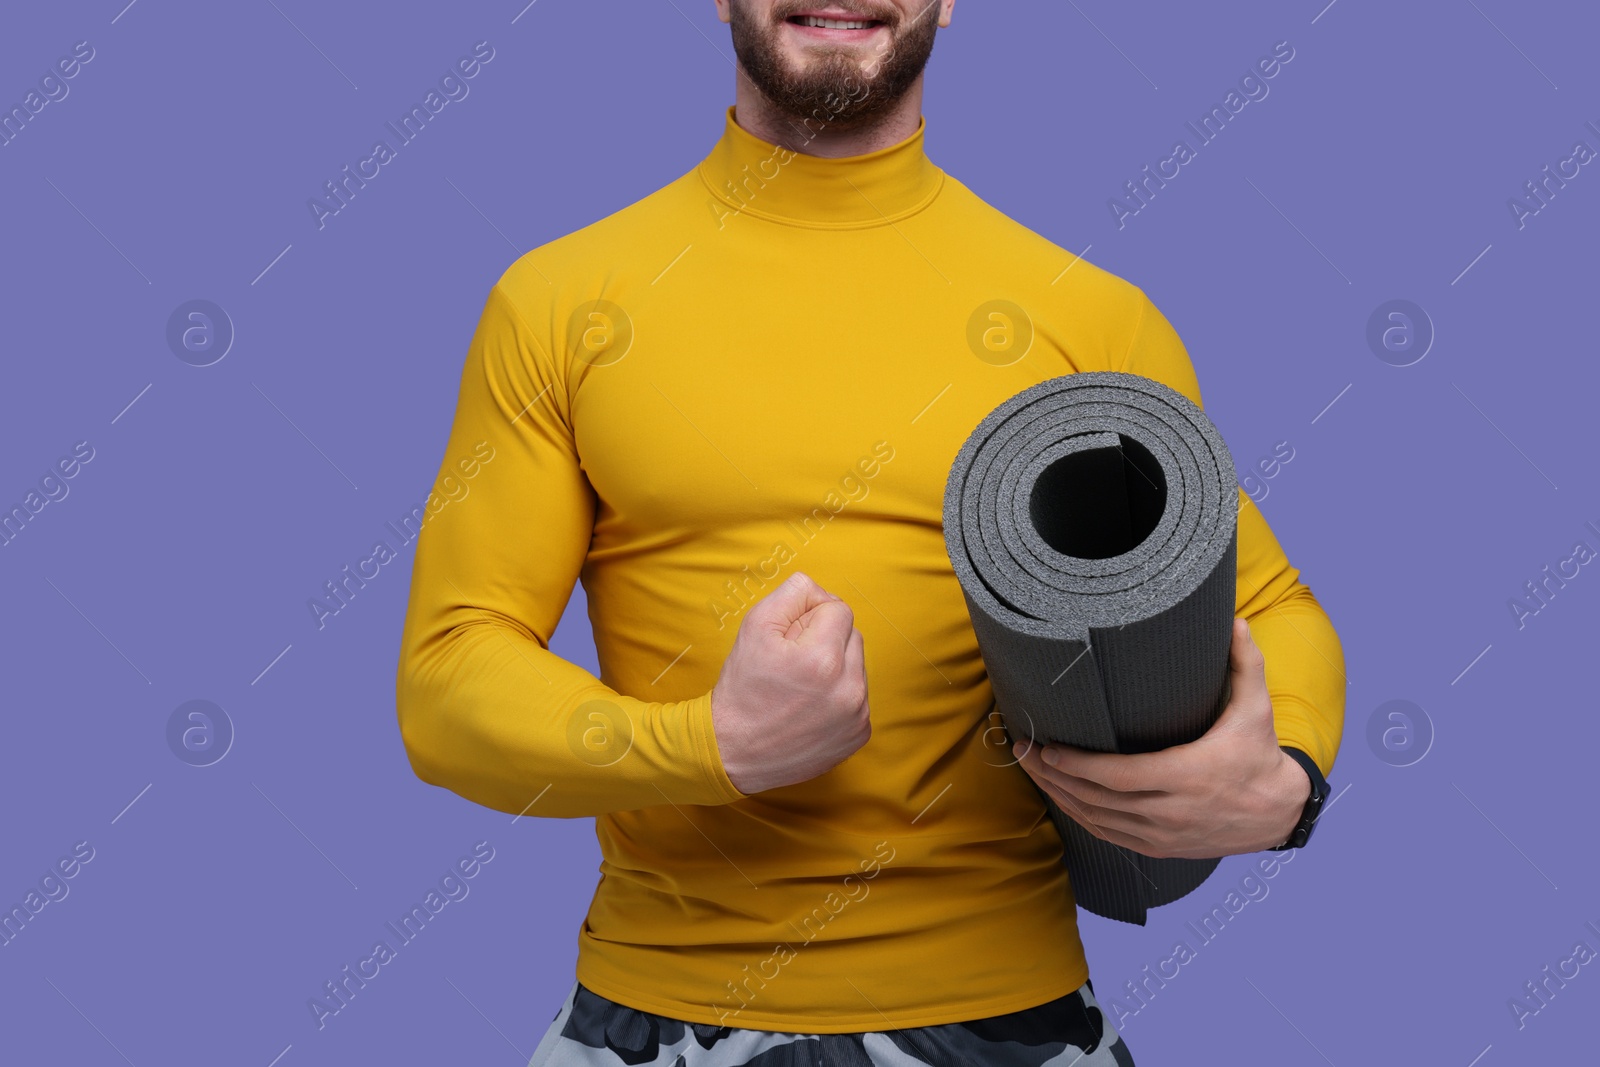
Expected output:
{"points": [[1314, 803]]}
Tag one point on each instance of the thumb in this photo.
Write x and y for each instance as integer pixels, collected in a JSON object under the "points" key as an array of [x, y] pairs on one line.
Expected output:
{"points": [[1248, 703], [1244, 655]]}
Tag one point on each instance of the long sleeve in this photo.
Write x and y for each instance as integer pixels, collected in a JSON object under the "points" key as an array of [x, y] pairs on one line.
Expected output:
{"points": [[485, 709], [1304, 658]]}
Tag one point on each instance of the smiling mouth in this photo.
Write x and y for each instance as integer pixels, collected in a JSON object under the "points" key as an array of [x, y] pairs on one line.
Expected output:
{"points": [[818, 23]]}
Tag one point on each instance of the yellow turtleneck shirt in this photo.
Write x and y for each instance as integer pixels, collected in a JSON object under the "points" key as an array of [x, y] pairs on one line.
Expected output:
{"points": [[768, 365]]}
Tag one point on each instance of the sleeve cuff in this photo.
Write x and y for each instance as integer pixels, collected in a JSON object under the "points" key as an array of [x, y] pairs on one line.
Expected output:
{"points": [[704, 738]]}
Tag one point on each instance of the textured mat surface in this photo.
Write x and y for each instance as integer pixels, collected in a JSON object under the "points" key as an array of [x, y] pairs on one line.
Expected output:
{"points": [[1092, 523]]}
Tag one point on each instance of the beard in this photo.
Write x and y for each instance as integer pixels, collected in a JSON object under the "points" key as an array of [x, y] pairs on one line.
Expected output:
{"points": [[845, 88]]}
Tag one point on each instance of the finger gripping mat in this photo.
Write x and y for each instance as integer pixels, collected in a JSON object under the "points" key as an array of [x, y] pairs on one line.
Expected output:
{"points": [[1092, 522]]}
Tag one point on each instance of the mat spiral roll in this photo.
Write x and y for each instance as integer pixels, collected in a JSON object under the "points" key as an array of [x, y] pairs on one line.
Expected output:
{"points": [[1092, 523]]}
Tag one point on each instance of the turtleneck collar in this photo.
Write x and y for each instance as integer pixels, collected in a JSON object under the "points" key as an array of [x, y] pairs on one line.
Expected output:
{"points": [[750, 176]]}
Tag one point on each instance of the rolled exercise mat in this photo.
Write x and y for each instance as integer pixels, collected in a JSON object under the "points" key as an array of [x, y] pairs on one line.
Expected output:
{"points": [[1092, 523]]}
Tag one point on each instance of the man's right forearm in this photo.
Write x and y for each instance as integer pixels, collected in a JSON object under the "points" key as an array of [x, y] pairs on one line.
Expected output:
{"points": [[485, 709], [493, 716]]}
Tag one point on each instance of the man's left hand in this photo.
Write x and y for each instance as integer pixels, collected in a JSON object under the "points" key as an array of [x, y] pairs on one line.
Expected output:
{"points": [[1232, 790]]}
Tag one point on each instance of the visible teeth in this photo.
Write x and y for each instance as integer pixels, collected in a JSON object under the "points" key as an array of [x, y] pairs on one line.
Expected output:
{"points": [[833, 24]]}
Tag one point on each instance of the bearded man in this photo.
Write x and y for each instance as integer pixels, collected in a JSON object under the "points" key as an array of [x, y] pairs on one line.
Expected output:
{"points": [[730, 409]]}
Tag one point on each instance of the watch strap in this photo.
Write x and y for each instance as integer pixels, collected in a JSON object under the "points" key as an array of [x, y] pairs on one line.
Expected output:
{"points": [[1314, 803]]}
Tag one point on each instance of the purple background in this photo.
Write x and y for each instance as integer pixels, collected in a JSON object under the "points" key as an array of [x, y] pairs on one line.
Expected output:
{"points": [[220, 899]]}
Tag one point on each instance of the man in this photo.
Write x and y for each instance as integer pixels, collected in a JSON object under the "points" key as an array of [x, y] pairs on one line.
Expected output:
{"points": [[730, 409]]}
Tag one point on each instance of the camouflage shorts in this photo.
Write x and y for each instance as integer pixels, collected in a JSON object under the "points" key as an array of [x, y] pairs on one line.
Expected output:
{"points": [[1070, 1031]]}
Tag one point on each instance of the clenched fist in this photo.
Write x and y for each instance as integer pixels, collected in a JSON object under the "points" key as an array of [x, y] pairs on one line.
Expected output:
{"points": [[791, 700]]}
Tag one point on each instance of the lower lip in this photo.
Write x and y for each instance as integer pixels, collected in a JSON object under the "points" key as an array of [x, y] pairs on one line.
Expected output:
{"points": [[824, 33]]}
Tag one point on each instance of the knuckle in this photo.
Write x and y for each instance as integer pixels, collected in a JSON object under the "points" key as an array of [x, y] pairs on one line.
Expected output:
{"points": [[824, 664], [854, 692]]}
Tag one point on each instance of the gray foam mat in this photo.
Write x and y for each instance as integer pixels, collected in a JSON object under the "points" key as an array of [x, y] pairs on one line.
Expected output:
{"points": [[1092, 522]]}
